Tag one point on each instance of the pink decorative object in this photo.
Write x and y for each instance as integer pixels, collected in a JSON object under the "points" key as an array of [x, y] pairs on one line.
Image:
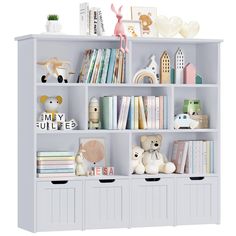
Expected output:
{"points": [[189, 74], [119, 30]]}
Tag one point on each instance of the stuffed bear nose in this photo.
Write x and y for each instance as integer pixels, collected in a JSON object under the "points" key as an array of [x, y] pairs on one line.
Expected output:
{"points": [[136, 155], [156, 144]]}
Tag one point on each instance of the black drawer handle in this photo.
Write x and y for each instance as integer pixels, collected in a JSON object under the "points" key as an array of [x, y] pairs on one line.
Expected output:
{"points": [[197, 178], [59, 181], [152, 179], [106, 180]]}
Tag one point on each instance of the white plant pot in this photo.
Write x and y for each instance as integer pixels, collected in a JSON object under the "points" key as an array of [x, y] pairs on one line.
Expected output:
{"points": [[53, 26]]}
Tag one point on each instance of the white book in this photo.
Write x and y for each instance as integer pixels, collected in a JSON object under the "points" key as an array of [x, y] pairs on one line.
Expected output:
{"points": [[84, 18], [149, 113], [100, 23], [153, 113], [200, 156], [157, 111], [189, 161], [195, 159], [212, 144], [126, 111], [121, 112], [114, 113], [93, 21], [142, 117], [204, 157]]}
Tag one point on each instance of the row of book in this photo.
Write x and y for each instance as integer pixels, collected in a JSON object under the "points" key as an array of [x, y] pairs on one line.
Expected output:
{"points": [[102, 66], [55, 164], [193, 157], [134, 112], [91, 20]]}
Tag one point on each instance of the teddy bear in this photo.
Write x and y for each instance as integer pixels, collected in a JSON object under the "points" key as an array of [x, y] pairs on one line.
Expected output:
{"points": [[51, 104], [81, 168], [153, 160], [136, 161]]}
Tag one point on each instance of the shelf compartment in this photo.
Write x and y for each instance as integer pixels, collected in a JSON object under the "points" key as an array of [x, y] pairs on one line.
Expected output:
{"points": [[74, 103], [115, 156]]}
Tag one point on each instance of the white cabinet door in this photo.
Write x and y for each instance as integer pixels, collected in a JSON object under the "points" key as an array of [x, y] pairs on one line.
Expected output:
{"points": [[59, 205], [106, 203], [152, 202], [196, 201]]}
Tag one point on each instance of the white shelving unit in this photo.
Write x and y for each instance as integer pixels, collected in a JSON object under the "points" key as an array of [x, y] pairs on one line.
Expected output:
{"points": [[123, 200]]}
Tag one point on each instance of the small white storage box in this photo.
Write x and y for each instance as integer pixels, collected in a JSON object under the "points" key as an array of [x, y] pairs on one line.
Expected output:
{"points": [[59, 205], [106, 203], [152, 202], [196, 201]]}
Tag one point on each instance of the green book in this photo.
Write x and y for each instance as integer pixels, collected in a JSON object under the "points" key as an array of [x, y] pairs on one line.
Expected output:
{"points": [[91, 66], [101, 66], [106, 112]]}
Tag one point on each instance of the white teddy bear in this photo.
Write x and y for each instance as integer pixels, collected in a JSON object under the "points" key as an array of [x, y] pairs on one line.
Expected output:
{"points": [[136, 162], [153, 160]]}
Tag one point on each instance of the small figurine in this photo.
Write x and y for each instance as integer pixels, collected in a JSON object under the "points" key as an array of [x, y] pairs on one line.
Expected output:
{"points": [[94, 114], [192, 107], [165, 68], [81, 168], [119, 30], [56, 68], [183, 121], [189, 74]]}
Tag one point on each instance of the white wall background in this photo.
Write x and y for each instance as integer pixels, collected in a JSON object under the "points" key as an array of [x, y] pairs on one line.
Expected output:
{"points": [[18, 17]]}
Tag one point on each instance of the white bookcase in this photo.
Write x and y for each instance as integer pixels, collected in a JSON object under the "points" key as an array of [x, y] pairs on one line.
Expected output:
{"points": [[123, 200]]}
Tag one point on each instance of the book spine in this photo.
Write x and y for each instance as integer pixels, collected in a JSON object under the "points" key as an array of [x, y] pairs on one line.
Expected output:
{"points": [[121, 112], [119, 76], [157, 113], [126, 110], [114, 115], [106, 64], [84, 18], [101, 66], [136, 113], [161, 112], [165, 118], [91, 66], [115, 71], [111, 66], [212, 151], [184, 157], [131, 114], [55, 154], [96, 66], [153, 100], [205, 157], [101, 29], [142, 118]]}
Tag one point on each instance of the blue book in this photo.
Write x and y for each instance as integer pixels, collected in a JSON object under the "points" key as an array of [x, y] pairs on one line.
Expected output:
{"points": [[111, 66], [130, 124], [165, 113], [69, 170]]}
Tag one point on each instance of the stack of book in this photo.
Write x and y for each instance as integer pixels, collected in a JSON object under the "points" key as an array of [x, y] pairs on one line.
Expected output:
{"points": [[193, 157], [91, 20], [102, 66], [134, 112], [55, 164]]}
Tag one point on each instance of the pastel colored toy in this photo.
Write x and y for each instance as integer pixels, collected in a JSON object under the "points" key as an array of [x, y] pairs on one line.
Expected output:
{"points": [[192, 107], [189, 74], [51, 104], [94, 114], [183, 121], [153, 160], [179, 66], [136, 160], [119, 30], [165, 68], [81, 168], [189, 30], [56, 68]]}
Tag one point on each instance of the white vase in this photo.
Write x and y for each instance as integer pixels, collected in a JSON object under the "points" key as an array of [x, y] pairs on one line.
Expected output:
{"points": [[53, 26]]}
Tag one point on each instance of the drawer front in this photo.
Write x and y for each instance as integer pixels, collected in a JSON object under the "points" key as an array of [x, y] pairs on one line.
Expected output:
{"points": [[106, 203], [152, 202], [59, 205], [196, 201]]}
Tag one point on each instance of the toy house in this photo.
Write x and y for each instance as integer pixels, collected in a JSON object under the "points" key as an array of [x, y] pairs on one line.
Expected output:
{"points": [[189, 74], [165, 68], [179, 66]]}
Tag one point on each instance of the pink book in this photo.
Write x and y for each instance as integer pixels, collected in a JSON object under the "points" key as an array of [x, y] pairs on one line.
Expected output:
{"points": [[189, 74], [161, 112], [179, 155], [55, 162]]}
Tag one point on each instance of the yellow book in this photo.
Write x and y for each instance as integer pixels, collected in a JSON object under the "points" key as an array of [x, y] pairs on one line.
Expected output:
{"points": [[142, 118], [56, 158]]}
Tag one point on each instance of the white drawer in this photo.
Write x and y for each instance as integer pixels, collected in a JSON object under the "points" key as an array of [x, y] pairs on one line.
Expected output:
{"points": [[152, 202], [196, 201], [106, 203], [59, 205]]}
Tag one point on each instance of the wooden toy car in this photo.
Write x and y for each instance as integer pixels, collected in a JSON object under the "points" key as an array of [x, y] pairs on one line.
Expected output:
{"points": [[183, 121], [192, 107]]}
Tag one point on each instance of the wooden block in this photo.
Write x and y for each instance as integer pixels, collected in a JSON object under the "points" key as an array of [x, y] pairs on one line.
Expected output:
{"points": [[108, 170], [66, 125], [60, 117], [52, 125], [46, 116], [73, 123], [41, 125], [172, 75], [189, 74], [198, 79], [98, 170]]}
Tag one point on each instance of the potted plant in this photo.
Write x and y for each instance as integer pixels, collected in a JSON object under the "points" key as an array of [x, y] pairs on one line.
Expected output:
{"points": [[53, 26]]}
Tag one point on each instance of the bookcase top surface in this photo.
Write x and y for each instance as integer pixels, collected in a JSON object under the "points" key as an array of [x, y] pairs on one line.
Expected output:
{"points": [[112, 38]]}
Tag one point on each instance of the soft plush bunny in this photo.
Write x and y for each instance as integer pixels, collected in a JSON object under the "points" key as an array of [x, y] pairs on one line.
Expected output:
{"points": [[119, 29]]}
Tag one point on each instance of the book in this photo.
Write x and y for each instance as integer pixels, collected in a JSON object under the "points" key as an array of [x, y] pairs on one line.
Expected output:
{"points": [[106, 64], [52, 175], [101, 66], [116, 67], [54, 154], [136, 113], [142, 118], [111, 66], [130, 124], [52, 167], [121, 104], [120, 67], [84, 18], [96, 66], [56, 162], [165, 116], [212, 157], [126, 111], [100, 23], [188, 165], [106, 112], [91, 65], [84, 66], [66, 158], [161, 113], [67, 170], [157, 111], [114, 112], [93, 21]]}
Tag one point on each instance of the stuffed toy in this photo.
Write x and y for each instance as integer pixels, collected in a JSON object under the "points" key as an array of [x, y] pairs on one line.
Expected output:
{"points": [[153, 160], [81, 168], [51, 104], [136, 161]]}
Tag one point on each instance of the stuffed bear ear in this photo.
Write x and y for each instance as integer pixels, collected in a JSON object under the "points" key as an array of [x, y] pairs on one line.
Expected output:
{"points": [[43, 99], [143, 138], [159, 137], [59, 99]]}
